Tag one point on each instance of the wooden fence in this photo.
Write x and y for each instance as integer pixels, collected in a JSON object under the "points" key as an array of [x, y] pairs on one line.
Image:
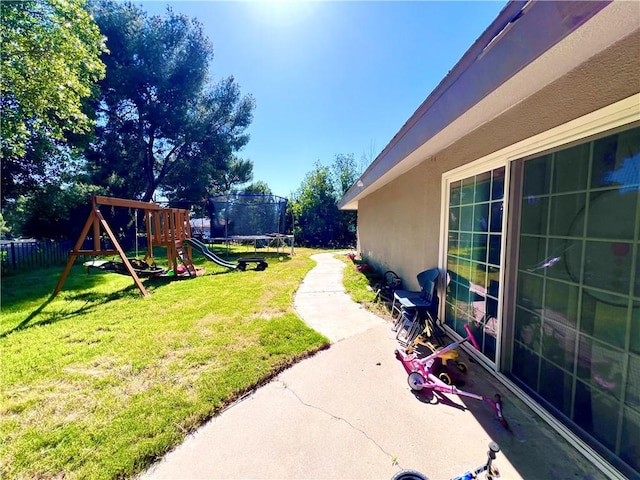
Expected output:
{"points": [[17, 255]]}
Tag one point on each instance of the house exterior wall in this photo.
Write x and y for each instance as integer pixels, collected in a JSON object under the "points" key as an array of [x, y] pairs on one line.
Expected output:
{"points": [[398, 226], [401, 229], [402, 218]]}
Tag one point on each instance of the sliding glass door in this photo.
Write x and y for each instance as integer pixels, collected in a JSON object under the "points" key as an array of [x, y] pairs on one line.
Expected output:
{"points": [[475, 212], [576, 340]]}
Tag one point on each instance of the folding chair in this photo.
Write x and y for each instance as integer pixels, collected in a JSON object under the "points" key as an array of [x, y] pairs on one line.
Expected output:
{"points": [[416, 308]]}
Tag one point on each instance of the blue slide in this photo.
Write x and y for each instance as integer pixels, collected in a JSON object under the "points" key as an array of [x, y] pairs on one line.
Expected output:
{"points": [[242, 262]]}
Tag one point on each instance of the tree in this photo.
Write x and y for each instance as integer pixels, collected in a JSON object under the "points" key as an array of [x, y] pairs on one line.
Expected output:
{"points": [[161, 125], [367, 157], [314, 205], [4, 228], [345, 173], [50, 63], [257, 188], [239, 172], [54, 212]]}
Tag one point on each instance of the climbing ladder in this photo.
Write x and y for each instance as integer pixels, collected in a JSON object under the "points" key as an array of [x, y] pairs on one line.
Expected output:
{"points": [[185, 258]]}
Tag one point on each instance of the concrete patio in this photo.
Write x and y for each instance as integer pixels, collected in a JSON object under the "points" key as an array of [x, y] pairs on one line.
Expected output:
{"points": [[348, 413]]}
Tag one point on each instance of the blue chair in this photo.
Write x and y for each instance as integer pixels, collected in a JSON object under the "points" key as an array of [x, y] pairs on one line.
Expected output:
{"points": [[414, 306]]}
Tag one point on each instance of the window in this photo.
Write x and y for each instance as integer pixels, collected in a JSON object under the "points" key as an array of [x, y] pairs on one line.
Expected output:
{"points": [[576, 340], [473, 257]]}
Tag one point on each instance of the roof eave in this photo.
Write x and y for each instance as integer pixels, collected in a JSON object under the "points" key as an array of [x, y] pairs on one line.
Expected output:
{"points": [[509, 44]]}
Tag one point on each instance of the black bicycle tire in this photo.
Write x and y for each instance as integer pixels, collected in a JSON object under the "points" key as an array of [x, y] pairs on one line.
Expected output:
{"points": [[409, 475]]}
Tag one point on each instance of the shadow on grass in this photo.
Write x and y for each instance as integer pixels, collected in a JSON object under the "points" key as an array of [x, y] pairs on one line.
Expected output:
{"points": [[234, 256], [26, 287], [90, 299]]}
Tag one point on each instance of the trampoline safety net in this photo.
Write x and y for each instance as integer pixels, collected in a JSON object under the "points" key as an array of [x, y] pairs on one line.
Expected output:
{"points": [[237, 215]]}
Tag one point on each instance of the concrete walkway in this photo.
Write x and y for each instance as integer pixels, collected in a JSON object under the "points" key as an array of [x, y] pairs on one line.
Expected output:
{"points": [[323, 304], [348, 413]]}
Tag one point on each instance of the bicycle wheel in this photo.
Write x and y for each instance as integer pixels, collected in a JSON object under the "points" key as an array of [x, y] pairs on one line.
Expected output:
{"points": [[416, 381], [391, 279], [409, 475]]}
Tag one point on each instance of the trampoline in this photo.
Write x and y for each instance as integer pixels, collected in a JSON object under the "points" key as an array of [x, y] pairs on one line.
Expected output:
{"points": [[258, 219]]}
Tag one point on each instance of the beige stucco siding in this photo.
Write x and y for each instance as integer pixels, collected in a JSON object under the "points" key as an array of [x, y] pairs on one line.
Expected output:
{"points": [[398, 225]]}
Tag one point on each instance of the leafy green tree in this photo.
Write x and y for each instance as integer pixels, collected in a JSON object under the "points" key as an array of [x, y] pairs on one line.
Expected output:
{"points": [[257, 188], [345, 172], [50, 63], [318, 221], [240, 171], [162, 127], [54, 212], [190, 185], [4, 227], [314, 207]]}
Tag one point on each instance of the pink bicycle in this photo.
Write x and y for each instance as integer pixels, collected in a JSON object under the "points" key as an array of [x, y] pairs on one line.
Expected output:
{"points": [[422, 375]]}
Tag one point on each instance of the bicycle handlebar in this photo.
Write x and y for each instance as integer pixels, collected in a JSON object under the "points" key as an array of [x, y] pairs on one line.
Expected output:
{"points": [[471, 337]]}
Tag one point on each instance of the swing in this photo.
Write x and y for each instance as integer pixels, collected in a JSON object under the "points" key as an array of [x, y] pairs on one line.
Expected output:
{"points": [[165, 226], [142, 268]]}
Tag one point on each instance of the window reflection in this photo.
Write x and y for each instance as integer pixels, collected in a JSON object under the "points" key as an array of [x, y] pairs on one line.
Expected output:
{"points": [[473, 259], [575, 337]]}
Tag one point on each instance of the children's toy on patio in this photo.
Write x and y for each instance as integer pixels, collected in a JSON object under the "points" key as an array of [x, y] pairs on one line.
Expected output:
{"points": [[423, 375], [488, 467], [389, 284], [446, 365]]}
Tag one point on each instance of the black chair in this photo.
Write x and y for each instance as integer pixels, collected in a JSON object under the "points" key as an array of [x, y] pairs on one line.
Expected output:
{"points": [[415, 308]]}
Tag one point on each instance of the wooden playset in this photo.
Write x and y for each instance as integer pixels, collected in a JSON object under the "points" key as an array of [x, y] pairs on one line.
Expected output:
{"points": [[165, 227]]}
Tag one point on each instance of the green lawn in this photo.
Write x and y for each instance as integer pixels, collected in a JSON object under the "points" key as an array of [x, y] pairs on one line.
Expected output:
{"points": [[100, 381], [363, 286]]}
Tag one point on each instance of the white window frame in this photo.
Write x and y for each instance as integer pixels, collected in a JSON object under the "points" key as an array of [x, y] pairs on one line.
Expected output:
{"points": [[475, 168], [620, 115]]}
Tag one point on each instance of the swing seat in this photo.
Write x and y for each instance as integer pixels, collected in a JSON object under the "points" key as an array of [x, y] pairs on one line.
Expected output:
{"points": [[140, 267]]}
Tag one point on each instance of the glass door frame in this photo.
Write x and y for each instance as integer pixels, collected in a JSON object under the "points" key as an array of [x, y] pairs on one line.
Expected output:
{"points": [[448, 178], [618, 116]]}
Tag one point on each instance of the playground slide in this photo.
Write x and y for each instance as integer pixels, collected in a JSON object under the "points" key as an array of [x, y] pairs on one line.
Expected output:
{"points": [[195, 243]]}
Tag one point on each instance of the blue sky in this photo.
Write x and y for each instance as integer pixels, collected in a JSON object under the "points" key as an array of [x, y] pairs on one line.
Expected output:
{"points": [[331, 77]]}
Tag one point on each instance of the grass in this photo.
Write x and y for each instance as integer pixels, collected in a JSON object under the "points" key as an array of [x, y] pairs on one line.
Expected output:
{"points": [[362, 285], [99, 382]]}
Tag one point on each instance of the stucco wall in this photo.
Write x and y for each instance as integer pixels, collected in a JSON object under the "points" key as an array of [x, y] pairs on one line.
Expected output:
{"points": [[398, 225]]}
